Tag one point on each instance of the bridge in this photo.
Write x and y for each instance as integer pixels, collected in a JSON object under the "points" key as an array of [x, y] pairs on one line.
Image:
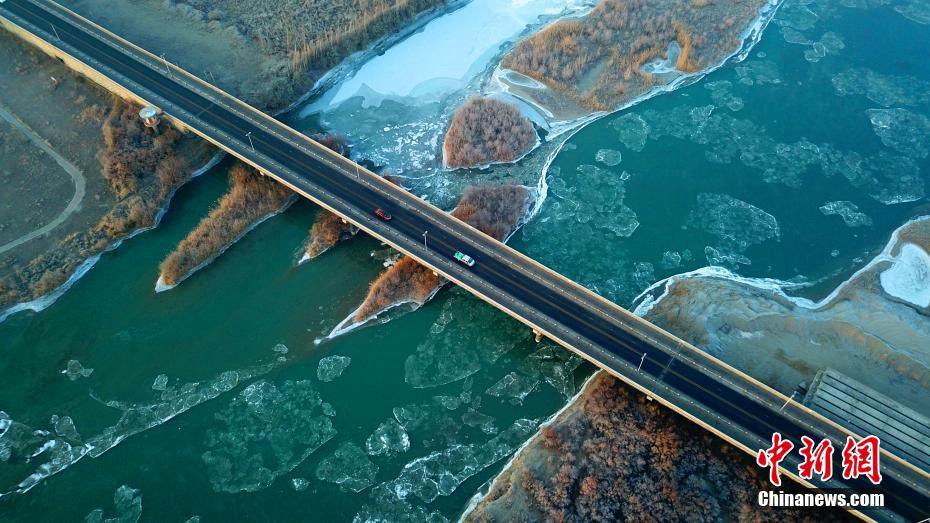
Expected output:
{"points": [[728, 403]]}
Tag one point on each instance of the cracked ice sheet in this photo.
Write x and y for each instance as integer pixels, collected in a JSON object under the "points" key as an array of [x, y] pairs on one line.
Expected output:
{"points": [[265, 432]]}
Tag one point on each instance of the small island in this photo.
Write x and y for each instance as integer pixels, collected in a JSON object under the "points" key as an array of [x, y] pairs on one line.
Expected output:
{"points": [[485, 131], [251, 198], [494, 210]]}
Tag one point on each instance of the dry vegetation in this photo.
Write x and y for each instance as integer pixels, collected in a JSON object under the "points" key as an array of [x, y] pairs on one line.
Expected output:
{"points": [[614, 456], [307, 35], [250, 198], [329, 229], [596, 61], [485, 130], [142, 170], [494, 210]]}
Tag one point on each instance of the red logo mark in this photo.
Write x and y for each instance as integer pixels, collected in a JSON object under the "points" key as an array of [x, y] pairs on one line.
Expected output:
{"points": [[817, 460], [774, 455], [861, 459]]}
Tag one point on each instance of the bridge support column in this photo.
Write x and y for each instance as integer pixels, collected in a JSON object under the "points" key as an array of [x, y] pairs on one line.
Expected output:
{"points": [[538, 335]]}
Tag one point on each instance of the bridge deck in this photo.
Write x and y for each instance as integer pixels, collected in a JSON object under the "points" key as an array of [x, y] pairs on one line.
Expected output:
{"points": [[903, 431]]}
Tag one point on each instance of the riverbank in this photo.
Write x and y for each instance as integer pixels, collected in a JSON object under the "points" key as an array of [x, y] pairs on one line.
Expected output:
{"points": [[612, 455], [267, 54], [874, 327], [117, 177], [35, 284]]}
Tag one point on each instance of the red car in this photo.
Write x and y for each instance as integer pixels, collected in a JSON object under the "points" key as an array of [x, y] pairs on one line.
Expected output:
{"points": [[384, 215]]}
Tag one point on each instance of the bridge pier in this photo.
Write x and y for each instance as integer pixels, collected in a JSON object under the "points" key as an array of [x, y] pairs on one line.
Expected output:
{"points": [[538, 335]]}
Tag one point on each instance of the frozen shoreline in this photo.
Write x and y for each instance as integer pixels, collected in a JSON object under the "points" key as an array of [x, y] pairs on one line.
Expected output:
{"points": [[646, 300], [43, 302]]}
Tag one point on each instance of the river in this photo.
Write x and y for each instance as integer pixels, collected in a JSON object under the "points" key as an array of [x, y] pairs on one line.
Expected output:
{"points": [[215, 400]]}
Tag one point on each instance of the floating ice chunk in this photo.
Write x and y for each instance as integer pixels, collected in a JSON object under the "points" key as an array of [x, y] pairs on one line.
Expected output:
{"points": [[440, 473], [793, 36], [721, 95], [388, 439], [280, 349], [556, 366], [299, 484], [885, 90], [331, 367], [909, 276], [902, 130], [473, 418], [830, 43], [643, 274], [127, 505], [386, 506], [75, 370], [448, 402], [915, 10], [736, 223], [463, 346], [608, 157], [349, 467], [513, 387], [670, 260], [758, 72], [160, 383], [729, 260], [266, 431], [632, 131], [848, 211], [797, 15], [884, 177]]}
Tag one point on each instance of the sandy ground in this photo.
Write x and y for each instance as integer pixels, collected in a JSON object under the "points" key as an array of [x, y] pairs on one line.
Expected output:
{"points": [[859, 330], [36, 188]]}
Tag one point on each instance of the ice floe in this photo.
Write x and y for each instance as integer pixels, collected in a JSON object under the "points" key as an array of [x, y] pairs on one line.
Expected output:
{"points": [[848, 211], [299, 484], [388, 439], [75, 370], [632, 131], [441, 472], [909, 276], [331, 367], [348, 467], [736, 224], [915, 10], [721, 95], [127, 505], [513, 387], [265, 432], [885, 90], [448, 356], [902, 130], [608, 157]]}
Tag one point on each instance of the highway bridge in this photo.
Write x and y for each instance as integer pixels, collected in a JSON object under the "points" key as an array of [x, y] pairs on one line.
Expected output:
{"points": [[721, 399]]}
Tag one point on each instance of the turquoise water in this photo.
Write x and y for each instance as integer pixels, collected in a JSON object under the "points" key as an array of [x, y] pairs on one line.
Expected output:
{"points": [[468, 384]]}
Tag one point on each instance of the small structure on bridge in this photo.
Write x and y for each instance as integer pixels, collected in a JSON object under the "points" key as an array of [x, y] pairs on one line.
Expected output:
{"points": [[151, 116], [903, 431]]}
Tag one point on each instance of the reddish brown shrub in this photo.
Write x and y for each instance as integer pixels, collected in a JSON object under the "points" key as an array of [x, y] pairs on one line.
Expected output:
{"points": [[485, 130], [251, 197]]}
